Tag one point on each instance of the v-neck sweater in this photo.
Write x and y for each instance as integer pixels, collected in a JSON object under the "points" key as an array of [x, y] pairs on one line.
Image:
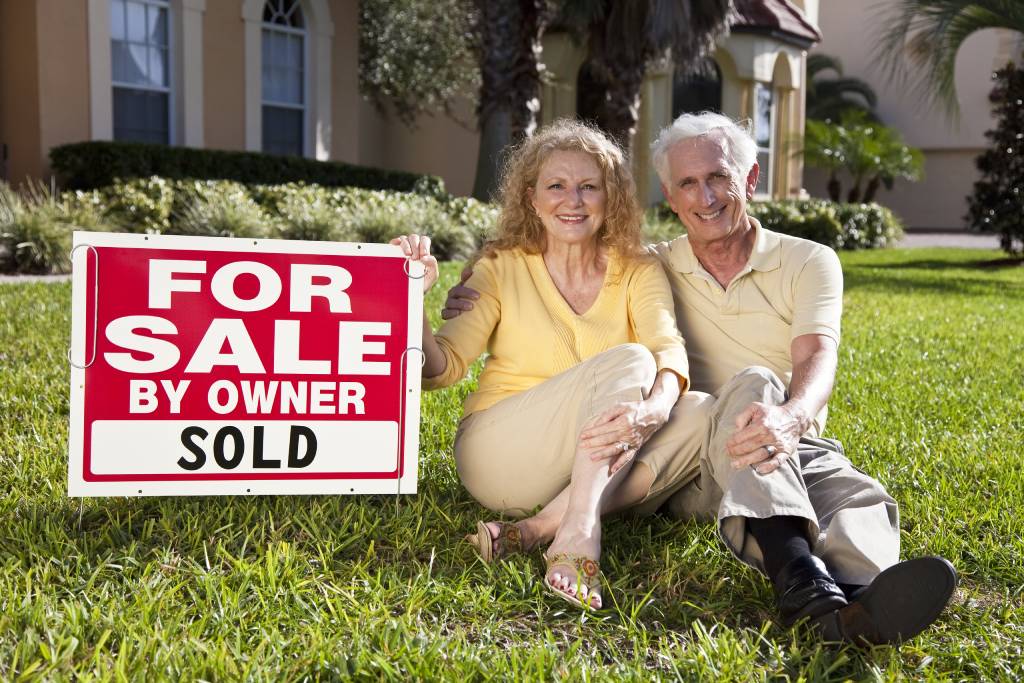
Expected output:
{"points": [[532, 334]]}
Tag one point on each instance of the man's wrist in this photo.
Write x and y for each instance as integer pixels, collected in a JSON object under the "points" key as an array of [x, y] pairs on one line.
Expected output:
{"points": [[800, 414]]}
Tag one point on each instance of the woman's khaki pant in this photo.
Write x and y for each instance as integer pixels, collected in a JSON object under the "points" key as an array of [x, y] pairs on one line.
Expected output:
{"points": [[518, 454]]}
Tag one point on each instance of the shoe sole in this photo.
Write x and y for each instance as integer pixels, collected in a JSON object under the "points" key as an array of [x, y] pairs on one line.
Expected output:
{"points": [[901, 602]]}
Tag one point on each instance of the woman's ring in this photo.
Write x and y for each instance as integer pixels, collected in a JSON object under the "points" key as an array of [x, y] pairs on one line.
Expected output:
{"points": [[624, 446], [770, 450]]}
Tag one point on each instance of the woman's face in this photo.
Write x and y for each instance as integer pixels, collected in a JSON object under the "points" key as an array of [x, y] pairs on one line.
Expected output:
{"points": [[570, 197]]}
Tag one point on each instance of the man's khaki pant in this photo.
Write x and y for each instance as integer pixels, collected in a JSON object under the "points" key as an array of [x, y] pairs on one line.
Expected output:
{"points": [[853, 524], [518, 454]]}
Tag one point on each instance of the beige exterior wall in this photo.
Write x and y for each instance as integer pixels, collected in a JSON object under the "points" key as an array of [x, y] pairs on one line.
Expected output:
{"points": [[345, 81], [223, 75], [950, 146], [63, 75], [19, 90]]}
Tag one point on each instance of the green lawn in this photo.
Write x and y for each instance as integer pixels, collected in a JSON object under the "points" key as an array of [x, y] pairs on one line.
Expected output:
{"points": [[930, 399]]}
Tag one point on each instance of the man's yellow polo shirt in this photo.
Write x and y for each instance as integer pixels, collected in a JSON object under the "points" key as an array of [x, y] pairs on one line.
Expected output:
{"points": [[790, 287], [531, 334]]}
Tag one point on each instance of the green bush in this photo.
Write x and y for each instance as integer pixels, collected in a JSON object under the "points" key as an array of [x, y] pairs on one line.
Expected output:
{"points": [[838, 225], [217, 209], [92, 165], [36, 229], [456, 225]]}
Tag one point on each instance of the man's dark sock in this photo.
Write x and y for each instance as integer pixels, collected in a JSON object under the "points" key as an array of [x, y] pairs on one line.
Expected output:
{"points": [[782, 539], [850, 589]]}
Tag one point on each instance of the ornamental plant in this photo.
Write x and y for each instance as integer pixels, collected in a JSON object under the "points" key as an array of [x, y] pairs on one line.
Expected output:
{"points": [[996, 205]]}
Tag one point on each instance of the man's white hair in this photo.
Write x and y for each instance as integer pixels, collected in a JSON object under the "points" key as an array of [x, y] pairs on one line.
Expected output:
{"points": [[740, 146]]}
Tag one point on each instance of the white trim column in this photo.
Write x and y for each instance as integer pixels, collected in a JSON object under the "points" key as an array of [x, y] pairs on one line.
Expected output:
{"points": [[188, 19]]}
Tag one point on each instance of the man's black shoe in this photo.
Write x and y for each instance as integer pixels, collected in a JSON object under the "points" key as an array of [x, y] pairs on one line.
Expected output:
{"points": [[900, 603], [804, 588]]}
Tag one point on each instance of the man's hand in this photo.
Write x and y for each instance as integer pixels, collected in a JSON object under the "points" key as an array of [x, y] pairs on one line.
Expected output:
{"points": [[766, 435], [460, 297]]}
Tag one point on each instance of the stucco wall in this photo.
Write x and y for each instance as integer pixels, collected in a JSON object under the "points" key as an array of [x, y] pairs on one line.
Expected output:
{"points": [[63, 75], [345, 127], [224, 75], [19, 89], [939, 201]]}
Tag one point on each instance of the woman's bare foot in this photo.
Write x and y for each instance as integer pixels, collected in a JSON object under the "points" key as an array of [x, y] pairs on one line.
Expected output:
{"points": [[573, 557]]}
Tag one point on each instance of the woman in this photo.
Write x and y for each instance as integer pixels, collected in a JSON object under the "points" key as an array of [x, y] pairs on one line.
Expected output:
{"points": [[574, 410]]}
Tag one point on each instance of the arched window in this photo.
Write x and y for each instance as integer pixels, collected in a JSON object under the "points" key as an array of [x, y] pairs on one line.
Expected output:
{"points": [[284, 77], [698, 92], [140, 61]]}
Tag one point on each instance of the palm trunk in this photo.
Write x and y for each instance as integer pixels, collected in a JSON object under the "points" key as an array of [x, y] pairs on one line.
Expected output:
{"points": [[872, 189], [620, 109], [833, 187], [510, 71]]}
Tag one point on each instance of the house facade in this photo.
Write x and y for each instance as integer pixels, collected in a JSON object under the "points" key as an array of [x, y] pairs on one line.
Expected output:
{"points": [[281, 76], [950, 144]]}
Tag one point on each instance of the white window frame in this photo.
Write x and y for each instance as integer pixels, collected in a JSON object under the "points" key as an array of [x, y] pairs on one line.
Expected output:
{"points": [[185, 43], [320, 34], [169, 89], [304, 33], [767, 173]]}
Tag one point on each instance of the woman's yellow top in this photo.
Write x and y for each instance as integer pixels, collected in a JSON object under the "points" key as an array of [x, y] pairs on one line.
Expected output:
{"points": [[532, 334]]}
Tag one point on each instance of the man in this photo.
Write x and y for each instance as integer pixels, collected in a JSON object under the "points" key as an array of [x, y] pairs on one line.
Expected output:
{"points": [[760, 313]]}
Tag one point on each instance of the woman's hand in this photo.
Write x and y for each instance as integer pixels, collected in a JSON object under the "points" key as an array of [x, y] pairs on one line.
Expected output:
{"points": [[417, 248], [619, 432]]}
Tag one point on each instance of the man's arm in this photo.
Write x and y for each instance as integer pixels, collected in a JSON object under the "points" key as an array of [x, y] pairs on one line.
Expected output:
{"points": [[815, 359]]}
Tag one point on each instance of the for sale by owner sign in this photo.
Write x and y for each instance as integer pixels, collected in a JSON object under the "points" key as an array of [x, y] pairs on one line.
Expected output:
{"points": [[205, 365]]}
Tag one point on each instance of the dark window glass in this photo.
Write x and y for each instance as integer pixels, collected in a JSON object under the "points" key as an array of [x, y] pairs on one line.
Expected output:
{"points": [[141, 116], [282, 130]]}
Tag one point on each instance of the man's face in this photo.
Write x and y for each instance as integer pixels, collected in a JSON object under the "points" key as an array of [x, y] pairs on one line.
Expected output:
{"points": [[704, 190]]}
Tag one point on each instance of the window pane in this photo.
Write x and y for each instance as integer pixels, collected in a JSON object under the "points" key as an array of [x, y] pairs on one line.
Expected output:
{"points": [[120, 63], [293, 50], [137, 67], [763, 116], [136, 22], [157, 67], [157, 25], [141, 116], [117, 31], [282, 130], [764, 162]]}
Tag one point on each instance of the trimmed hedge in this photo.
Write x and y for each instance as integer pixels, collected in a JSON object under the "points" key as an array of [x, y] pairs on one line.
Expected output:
{"points": [[92, 165], [838, 225]]}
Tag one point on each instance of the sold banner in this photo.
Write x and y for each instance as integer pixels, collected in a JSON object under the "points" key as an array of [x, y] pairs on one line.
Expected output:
{"points": [[208, 365]]}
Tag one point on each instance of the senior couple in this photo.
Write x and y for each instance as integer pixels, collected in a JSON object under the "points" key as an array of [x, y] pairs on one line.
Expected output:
{"points": [[590, 402]]}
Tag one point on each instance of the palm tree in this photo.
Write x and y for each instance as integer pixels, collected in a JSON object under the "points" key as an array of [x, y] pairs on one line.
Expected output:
{"points": [[928, 34], [626, 36], [510, 71], [828, 97]]}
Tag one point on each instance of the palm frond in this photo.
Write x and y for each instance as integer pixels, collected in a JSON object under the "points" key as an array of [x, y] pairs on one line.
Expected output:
{"points": [[927, 34]]}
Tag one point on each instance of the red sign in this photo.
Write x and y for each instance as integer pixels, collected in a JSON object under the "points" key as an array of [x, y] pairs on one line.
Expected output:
{"points": [[237, 366]]}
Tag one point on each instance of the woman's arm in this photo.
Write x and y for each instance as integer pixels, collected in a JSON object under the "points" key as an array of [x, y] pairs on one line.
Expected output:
{"points": [[458, 343]]}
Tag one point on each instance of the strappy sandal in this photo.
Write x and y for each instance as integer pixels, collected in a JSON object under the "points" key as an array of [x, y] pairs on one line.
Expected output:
{"points": [[509, 541], [588, 573]]}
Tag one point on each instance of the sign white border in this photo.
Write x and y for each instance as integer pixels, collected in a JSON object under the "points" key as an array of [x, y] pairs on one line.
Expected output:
{"points": [[80, 347]]}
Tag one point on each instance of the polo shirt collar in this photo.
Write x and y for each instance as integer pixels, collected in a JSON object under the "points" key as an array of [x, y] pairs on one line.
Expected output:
{"points": [[766, 255]]}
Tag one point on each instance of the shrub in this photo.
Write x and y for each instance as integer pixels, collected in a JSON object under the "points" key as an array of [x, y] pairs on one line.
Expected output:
{"points": [[36, 229], [840, 226], [92, 165], [217, 209], [456, 225], [996, 202]]}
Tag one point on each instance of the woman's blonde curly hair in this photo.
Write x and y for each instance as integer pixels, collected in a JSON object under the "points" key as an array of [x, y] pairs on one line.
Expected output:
{"points": [[520, 227]]}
